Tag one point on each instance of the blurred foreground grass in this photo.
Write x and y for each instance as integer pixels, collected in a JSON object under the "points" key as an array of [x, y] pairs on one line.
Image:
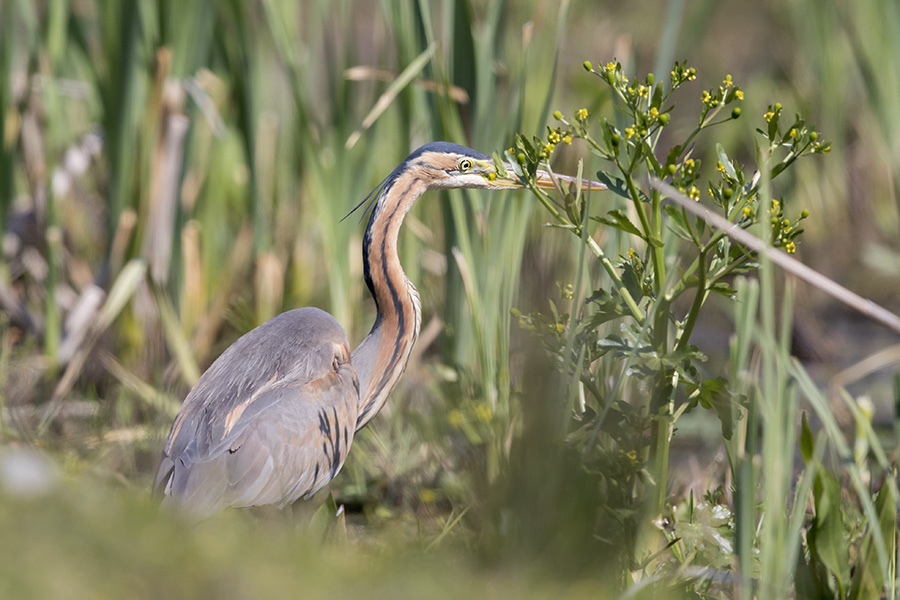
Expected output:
{"points": [[90, 539]]}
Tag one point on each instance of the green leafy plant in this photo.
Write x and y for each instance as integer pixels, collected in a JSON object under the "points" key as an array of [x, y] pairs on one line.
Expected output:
{"points": [[625, 349]]}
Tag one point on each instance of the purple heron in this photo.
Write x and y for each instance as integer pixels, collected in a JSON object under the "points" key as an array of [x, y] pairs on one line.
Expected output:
{"points": [[273, 417]]}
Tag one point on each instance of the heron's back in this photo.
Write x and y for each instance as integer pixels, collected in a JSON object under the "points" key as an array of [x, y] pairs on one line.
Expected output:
{"points": [[270, 420]]}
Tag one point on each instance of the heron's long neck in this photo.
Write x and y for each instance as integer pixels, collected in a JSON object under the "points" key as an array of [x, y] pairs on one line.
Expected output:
{"points": [[381, 358]]}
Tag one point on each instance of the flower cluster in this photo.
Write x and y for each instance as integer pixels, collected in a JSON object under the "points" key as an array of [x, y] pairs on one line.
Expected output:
{"points": [[798, 138], [715, 98], [646, 104], [784, 231], [681, 73], [685, 175]]}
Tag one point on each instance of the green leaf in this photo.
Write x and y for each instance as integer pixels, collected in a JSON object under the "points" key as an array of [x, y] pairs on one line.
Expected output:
{"points": [[714, 394], [679, 222], [661, 316], [619, 220], [328, 522], [807, 443], [868, 577], [608, 306], [826, 532], [614, 184], [632, 280], [648, 153], [773, 126], [723, 158], [572, 208], [657, 100], [674, 153], [608, 132], [722, 287], [613, 343]]}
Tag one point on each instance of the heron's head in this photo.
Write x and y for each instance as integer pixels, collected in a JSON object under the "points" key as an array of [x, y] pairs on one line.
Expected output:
{"points": [[443, 165], [447, 166]]}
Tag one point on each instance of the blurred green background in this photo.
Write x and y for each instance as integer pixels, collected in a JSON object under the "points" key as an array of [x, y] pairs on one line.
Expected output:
{"points": [[174, 173]]}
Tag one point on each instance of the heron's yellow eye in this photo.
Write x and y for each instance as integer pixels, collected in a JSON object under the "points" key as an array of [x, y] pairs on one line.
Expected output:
{"points": [[464, 164]]}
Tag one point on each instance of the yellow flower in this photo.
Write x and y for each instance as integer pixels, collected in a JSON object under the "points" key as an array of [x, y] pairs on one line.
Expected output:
{"points": [[694, 193], [455, 418], [629, 132], [790, 247], [720, 167], [581, 114], [739, 94], [483, 413], [746, 212], [553, 137], [654, 112], [548, 148], [610, 66], [768, 116], [567, 139]]}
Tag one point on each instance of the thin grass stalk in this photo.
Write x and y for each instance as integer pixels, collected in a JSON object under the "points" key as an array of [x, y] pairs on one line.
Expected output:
{"points": [[8, 19], [187, 28], [665, 52], [774, 420], [122, 33], [321, 158], [743, 446], [52, 311], [896, 389], [574, 383]]}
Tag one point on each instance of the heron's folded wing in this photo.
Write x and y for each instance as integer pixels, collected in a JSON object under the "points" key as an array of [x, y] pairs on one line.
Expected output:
{"points": [[287, 442]]}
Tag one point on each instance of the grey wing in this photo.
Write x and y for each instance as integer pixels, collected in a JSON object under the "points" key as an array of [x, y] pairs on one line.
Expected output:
{"points": [[278, 429]]}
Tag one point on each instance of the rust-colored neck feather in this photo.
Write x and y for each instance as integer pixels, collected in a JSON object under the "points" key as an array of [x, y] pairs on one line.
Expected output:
{"points": [[381, 358]]}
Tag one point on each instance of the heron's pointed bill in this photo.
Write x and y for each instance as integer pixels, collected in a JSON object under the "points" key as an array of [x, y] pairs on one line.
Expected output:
{"points": [[543, 179], [546, 180]]}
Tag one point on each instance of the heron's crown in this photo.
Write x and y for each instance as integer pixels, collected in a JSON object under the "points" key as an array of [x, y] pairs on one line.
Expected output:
{"points": [[446, 148]]}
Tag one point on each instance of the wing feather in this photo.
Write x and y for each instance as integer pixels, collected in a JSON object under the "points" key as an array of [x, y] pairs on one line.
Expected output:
{"points": [[268, 422]]}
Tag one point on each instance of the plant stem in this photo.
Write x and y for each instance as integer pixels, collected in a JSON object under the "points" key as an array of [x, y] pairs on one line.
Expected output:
{"points": [[608, 266], [659, 257], [662, 409], [699, 298]]}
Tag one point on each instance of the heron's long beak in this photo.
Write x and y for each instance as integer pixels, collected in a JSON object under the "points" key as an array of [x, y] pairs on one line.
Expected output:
{"points": [[543, 179], [546, 180]]}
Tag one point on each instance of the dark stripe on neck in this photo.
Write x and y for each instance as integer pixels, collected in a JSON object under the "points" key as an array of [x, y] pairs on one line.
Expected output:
{"points": [[398, 303], [389, 285]]}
